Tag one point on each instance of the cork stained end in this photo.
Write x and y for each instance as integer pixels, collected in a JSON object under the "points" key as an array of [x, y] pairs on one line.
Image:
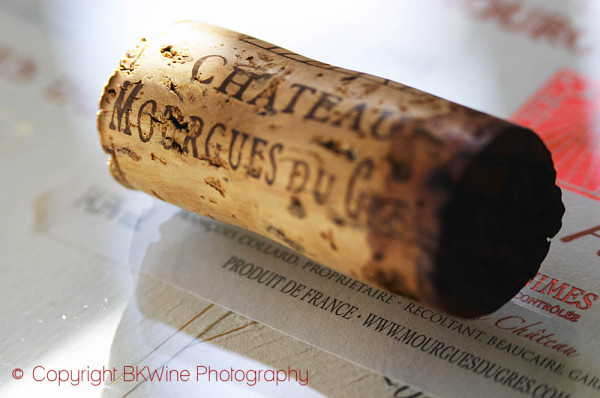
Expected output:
{"points": [[496, 228]]}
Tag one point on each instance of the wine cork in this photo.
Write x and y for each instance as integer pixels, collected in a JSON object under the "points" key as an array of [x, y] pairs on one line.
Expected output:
{"points": [[401, 189]]}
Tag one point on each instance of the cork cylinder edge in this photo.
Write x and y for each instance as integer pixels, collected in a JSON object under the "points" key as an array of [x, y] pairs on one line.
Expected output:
{"points": [[496, 227]]}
